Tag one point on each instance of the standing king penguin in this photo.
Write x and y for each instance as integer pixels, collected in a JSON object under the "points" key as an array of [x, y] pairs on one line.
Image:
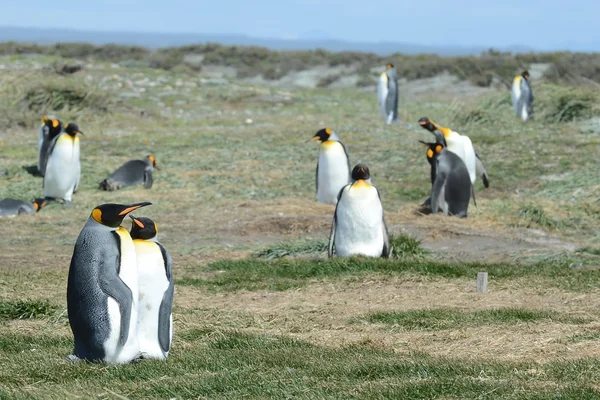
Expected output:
{"points": [[50, 128], [133, 172], [387, 94], [102, 290], [450, 182], [358, 226], [155, 279], [461, 146], [63, 169], [333, 166], [522, 96]]}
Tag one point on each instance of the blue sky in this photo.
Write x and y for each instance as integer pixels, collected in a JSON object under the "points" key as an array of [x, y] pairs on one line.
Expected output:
{"points": [[540, 24]]}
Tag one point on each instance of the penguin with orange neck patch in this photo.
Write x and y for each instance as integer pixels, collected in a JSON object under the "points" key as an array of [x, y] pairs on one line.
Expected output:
{"points": [[333, 166], [102, 289], [133, 172], [50, 128], [358, 226], [13, 207], [155, 279]]}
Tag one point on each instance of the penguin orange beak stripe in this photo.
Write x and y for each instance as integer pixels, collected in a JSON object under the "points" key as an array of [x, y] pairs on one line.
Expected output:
{"points": [[134, 207], [138, 223]]}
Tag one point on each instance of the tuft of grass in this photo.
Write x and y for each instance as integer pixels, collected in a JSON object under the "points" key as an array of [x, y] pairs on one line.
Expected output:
{"points": [[536, 215], [447, 318], [25, 309], [582, 337], [405, 246], [293, 248], [565, 104]]}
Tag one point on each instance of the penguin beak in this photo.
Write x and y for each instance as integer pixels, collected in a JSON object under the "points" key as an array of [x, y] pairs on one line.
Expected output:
{"points": [[134, 207], [80, 132], [313, 139], [135, 220], [156, 166]]}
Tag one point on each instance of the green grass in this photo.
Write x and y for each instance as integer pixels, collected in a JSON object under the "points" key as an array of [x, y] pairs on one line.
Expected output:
{"points": [[229, 364], [447, 318], [406, 246], [294, 248], [24, 309]]}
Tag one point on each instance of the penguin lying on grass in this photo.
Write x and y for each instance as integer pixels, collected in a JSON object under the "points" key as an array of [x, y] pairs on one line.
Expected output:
{"points": [[358, 226], [133, 172], [12, 207]]}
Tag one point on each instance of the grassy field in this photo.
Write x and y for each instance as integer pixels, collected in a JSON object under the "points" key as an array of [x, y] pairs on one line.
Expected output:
{"points": [[259, 311]]}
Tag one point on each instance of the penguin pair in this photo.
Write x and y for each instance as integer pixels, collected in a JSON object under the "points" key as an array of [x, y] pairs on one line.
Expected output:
{"points": [[333, 166], [522, 96], [358, 226], [120, 289], [63, 167], [133, 172], [13, 207], [450, 182], [387, 94], [50, 128]]}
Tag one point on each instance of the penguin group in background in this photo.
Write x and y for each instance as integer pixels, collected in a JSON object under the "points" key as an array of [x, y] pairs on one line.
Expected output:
{"points": [[12, 207], [451, 186], [522, 96], [156, 288], [387, 94], [333, 166], [102, 289], [461, 146], [63, 168], [131, 173], [358, 226], [50, 128]]}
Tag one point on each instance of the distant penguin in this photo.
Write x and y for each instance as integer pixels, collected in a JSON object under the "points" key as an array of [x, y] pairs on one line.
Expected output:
{"points": [[131, 173], [102, 290], [333, 166], [387, 94], [358, 226], [12, 207], [522, 96], [50, 128], [451, 186], [155, 279], [461, 146], [63, 169]]}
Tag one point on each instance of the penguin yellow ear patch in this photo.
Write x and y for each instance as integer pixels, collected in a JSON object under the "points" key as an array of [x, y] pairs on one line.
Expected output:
{"points": [[429, 153], [97, 215], [328, 131], [155, 227], [55, 123], [438, 148]]}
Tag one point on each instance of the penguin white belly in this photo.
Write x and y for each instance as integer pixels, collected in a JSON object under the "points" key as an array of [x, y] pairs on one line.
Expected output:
{"points": [[128, 274], [334, 172], [442, 203], [461, 146], [524, 113], [382, 92], [62, 167], [359, 225], [153, 283]]}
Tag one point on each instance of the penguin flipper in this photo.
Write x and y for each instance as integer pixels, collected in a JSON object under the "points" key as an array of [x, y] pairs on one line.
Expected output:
{"points": [[473, 195], [148, 179], [331, 244], [480, 170], [166, 305], [317, 178], [440, 181]]}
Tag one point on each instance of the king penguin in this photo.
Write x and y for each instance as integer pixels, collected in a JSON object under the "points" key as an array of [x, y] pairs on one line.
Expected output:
{"points": [[462, 146], [387, 94], [522, 96], [155, 279], [63, 169], [102, 290], [451, 186], [131, 173], [50, 128], [333, 166], [358, 226], [12, 207]]}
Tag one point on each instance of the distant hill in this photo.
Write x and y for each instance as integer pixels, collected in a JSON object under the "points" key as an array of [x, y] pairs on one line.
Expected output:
{"points": [[309, 41]]}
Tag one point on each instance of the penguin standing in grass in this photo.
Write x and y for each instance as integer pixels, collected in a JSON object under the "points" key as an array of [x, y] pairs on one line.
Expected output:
{"points": [[358, 226], [12, 207], [155, 279], [333, 166], [450, 182], [387, 94], [63, 169], [50, 128], [522, 96], [102, 290], [133, 172]]}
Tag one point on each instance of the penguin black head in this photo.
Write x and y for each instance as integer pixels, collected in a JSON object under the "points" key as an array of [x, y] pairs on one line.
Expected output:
{"points": [[153, 161], [112, 215], [433, 149], [361, 171], [323, 135], [54, 125], [525, 74], [426, 124], [39, 203], [389, 66], [142, 228], [72, 129]]}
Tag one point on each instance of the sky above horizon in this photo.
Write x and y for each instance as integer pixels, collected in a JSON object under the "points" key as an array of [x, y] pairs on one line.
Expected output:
{"points": [[549, 24]]}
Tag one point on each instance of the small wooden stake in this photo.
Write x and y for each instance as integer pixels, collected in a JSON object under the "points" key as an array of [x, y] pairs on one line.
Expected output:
{"points": [[482, 281]]}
